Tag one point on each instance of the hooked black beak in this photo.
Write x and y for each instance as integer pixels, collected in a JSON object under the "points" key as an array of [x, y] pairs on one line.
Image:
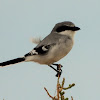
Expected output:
{"points": [[75, 28]]}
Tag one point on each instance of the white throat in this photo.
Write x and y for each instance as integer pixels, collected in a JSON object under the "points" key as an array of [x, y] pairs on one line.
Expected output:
{"points": [[68, 33]]}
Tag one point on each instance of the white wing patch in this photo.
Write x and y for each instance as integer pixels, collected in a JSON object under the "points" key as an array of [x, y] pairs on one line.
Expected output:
{"points": [[44, 48], [36, 40], [34, 52]]}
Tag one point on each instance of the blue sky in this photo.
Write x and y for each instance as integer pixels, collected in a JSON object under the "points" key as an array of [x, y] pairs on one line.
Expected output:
{"points": [[20, 20]]}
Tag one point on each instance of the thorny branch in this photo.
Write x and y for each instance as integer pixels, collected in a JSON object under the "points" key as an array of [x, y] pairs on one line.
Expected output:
{"points": [[60, 92]]}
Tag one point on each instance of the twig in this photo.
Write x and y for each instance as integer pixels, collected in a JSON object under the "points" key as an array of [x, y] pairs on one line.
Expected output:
{"points": [[70, 86], [71, 98], [48, 93], [58, 85], [58, 88]]}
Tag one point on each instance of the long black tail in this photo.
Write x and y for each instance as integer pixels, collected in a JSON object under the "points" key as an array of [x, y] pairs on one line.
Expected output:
{"points": [[10, 62]]}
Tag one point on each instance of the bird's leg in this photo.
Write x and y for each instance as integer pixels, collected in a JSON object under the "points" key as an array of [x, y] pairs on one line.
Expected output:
{"points": [[53, 68], [58, 70], [57, 65]]}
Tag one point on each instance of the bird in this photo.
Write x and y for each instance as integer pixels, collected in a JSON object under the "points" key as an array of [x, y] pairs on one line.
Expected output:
{"points": [[52, 48]]}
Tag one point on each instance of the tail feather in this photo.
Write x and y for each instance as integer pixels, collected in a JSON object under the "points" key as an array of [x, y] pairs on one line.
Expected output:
{"points": [[14, 61], [36, 40]]}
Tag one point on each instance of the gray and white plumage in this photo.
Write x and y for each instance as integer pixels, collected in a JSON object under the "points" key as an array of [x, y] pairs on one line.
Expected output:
{"points": [[52, 48]]}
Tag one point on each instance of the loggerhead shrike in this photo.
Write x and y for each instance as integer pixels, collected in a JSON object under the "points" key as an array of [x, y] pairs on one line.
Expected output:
{"points": [[52, 48]]}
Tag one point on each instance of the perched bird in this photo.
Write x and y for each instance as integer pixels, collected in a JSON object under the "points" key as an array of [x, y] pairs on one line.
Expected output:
{"points": [[52, 48]]}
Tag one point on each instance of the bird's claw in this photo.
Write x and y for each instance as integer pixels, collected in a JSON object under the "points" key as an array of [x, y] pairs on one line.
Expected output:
{"points": [[59, 73], [59, 70]]}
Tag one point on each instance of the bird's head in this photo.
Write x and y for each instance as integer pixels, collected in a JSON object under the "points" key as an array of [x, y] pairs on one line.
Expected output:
{"points": [[65, 28]]}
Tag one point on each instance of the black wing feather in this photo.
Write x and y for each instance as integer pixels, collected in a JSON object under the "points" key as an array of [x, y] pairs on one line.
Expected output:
{"points": [[40, 49]]}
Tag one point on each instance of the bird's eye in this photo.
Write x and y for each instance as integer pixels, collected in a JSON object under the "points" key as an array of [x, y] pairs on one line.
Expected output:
{"points": [[62, 28]]}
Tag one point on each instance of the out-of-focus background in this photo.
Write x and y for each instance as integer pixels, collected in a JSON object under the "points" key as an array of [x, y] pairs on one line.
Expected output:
{"points": [[20, 20]]}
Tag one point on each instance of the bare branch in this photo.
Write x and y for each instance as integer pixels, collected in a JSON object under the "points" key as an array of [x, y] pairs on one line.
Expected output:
{"points": [[48, 93]]}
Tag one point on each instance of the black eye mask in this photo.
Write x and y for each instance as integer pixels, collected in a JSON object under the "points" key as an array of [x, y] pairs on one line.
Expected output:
{"points": [[64, 28]]}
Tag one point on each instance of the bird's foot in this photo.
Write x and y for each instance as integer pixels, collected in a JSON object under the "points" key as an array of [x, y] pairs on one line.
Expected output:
{"points": [[58, 70], [57, 65]]}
